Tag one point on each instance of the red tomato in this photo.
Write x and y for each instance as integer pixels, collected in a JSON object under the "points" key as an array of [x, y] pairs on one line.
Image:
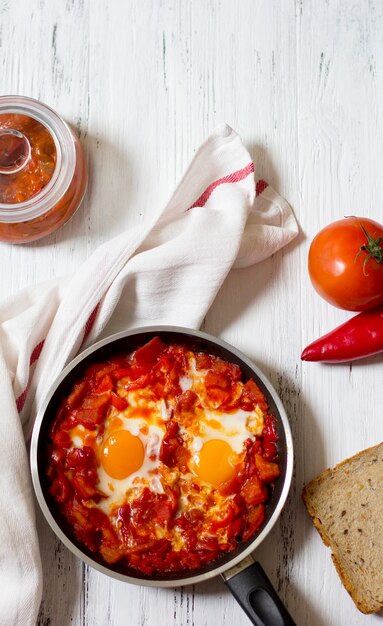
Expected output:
{"points": [[346, 263]]}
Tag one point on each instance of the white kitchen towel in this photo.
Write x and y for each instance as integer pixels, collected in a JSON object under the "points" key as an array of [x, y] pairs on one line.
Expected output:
{"points": [[167, 270]]}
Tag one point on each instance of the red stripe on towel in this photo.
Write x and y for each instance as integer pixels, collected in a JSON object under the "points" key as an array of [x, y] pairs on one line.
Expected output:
{"points": [[235, 177], [90, 322], [33, 358], [36, 352], [21, 400], [260, 187]]}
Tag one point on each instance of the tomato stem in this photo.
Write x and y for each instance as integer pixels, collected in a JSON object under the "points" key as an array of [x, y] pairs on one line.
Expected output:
{"points": [[372, 247]]}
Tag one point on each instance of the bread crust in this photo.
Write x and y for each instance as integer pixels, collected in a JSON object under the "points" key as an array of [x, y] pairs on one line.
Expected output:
{"points": [[365, 605]]}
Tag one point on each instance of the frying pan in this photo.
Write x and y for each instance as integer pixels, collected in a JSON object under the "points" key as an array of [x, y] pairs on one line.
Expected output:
{"points": [[242, 574]]}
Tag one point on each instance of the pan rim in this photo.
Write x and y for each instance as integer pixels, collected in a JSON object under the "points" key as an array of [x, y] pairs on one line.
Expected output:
{"points": [[176, 582]]}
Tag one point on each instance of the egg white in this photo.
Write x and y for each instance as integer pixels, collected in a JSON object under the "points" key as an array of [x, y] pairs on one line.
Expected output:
{"points": [[116, 490]]}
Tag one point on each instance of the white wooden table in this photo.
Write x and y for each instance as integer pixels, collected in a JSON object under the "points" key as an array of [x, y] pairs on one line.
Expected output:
{"points": [[144, 82]]}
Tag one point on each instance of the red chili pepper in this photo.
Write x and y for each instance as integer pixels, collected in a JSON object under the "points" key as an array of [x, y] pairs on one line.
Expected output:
{"points": [[359, 337]]}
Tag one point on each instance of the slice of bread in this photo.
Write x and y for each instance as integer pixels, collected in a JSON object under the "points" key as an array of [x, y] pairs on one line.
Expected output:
{"points": [[346, 507]]}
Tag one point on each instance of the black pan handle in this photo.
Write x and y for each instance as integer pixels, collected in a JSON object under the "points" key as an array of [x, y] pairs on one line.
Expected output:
{"points": [[252, 589]]}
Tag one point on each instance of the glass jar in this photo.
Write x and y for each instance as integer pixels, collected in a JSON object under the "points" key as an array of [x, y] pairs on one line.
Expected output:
{"points": [[43, 173]]}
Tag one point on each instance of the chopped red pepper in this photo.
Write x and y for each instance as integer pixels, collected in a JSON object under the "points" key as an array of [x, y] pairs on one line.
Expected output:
{"points": [[78, 394], [267, 470], [252, 393], [254, 491], [149, 352], [119, 403]]}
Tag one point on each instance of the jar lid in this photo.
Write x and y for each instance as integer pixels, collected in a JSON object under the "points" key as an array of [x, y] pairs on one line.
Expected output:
{"points": [[37, 158]]}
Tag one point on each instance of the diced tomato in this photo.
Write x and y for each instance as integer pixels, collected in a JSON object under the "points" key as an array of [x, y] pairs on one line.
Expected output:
{"points": [[173, 496], [269, 450], [163, 512], [147, 566], [126, 372], [108, 370], [217, 397], [80, 514], [161, 547], [269, 430], [173, 361], [182, 457], [231, 404], [119, 403], [254, 518], [124, 520], [90, 418], [62, 439], [148, 353], [68, 422], [207, 543], [106, 384], [224, 519], [215, 379], [203, 361], [81, 459], [233, 485], [189, 519], [235, 527], [95, 401], [253, 392], [58, 455], [111, 552], [170, 443], [143, 543], [253, 447], [267, 470], [158, 389], [186, 402], [140, 509], [96, 371], [253, 491], [99, 519], [229, 369], [79, 392], [189, 560], [218, 388], [190, 537], [60, 488], [82, 487], [167, 372], [172, 429], [83, 528], [139, 383]]}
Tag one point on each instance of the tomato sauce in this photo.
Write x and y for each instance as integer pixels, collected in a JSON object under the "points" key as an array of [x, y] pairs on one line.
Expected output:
{"points": [[188, 522], [43, 173], [38, 170]]}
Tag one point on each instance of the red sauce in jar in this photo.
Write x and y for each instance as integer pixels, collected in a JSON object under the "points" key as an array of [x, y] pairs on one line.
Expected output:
{"points": [[39, 166], [43, 173]]}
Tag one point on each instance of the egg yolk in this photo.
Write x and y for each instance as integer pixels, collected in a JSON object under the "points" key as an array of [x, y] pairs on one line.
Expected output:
{"points": [[122, 454], [212, 463]]}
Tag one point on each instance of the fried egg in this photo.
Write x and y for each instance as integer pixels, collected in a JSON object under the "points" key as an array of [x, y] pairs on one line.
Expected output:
{"points": [[129, 460], [216, 441], [127, 452]]}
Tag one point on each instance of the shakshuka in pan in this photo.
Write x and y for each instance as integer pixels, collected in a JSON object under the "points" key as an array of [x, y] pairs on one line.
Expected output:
{"points": [[162, 459]]}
